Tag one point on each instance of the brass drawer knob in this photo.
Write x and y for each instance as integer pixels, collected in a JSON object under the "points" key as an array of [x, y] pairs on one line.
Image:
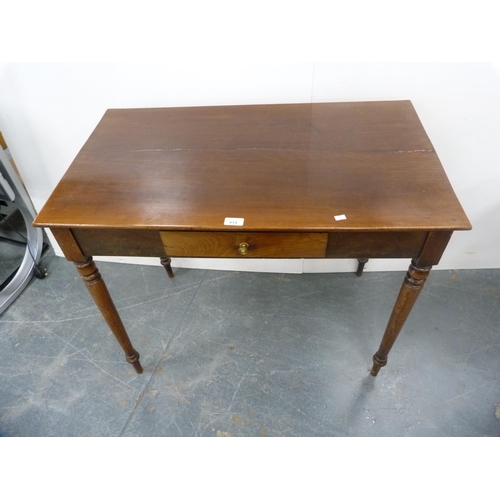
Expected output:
{"points": [[243, 248]]}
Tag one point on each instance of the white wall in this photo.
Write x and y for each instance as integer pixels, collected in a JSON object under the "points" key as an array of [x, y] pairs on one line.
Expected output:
{"points": [[47, 111]]}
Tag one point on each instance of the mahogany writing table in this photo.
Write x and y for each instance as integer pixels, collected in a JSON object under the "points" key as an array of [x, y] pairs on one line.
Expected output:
{"points": [[328, 180]]}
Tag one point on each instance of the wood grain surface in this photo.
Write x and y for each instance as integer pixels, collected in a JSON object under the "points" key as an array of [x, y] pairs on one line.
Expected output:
{"points": [[287, 167]]}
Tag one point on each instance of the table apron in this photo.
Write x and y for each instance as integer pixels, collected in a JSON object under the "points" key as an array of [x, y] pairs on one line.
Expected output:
{"points": [[373, 245], [154, 243]]}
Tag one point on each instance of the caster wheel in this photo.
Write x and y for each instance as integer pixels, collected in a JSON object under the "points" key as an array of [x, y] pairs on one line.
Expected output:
{"points": [[40, 273]]}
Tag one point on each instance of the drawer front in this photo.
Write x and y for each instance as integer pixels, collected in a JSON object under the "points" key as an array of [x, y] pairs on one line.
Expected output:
{"points": [[244, 244]]}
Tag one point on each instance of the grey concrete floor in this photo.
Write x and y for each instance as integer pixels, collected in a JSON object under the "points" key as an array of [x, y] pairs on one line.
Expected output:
{"points": [[250, 354]]}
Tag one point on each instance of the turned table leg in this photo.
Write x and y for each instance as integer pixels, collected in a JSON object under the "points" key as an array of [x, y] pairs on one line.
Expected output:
{"points": [[361, 266], [165, 262], [99, 292], [412, 285]]}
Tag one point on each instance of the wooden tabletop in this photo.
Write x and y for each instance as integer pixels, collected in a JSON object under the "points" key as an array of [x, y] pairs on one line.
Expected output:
{"points": [[286, 167]]}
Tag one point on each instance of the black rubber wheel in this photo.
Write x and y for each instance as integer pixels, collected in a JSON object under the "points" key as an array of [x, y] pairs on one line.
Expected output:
{"points": [[40, 272]]}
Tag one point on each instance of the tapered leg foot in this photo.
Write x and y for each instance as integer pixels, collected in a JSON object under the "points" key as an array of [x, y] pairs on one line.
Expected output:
{"points": [[361, 266], [99, 292], [377, 364], [165, 262], [134, 361], [410, 290]]}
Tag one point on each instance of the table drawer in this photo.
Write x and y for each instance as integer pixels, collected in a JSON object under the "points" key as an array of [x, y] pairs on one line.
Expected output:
{"points": [[243, 244]]}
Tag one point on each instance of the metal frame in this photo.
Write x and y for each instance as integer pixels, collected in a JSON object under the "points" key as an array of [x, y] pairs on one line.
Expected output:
{"points": [[34, 245]]}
